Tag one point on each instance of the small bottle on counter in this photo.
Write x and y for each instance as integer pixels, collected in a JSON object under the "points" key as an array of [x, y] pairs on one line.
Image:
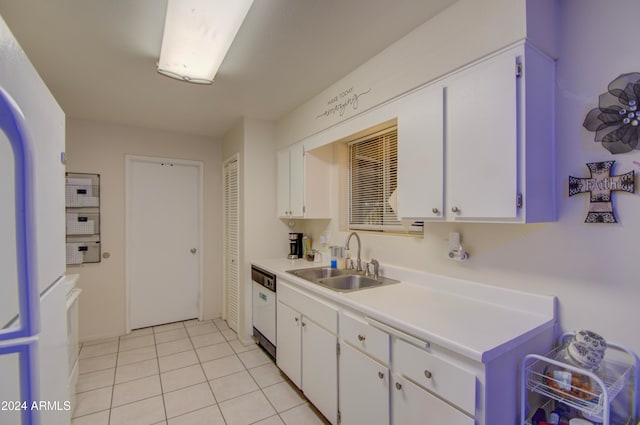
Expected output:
{"points": [[337, 257]]}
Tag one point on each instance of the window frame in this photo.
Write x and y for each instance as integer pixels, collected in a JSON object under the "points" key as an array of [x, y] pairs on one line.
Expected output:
{"points": [[390, 223]]}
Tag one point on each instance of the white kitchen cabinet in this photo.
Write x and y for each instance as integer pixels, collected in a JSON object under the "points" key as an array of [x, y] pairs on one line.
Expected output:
{"points": [[436, 373], [416, 334], [494, 138], [290, 197], [364, 373], [428, 388], [320, 368], [289, 343], [418, 387], [482, 139], [420, 155], [303, 182], [413, 405], [364, 389], [306, 347]]}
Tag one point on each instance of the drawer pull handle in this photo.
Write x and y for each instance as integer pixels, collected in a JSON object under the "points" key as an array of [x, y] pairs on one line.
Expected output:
{"points": [[380, 375], [361, 337], [427, 374], [398, 386]]}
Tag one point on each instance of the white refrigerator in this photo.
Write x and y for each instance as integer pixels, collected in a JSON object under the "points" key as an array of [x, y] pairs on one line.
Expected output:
{"points": [[33, 330]]}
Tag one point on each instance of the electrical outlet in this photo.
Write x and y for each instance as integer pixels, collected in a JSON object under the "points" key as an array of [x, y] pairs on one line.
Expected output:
{"points": [[454, 241]]}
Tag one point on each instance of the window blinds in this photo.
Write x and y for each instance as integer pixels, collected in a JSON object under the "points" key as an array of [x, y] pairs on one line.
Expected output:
{"points": [[373, 181]]}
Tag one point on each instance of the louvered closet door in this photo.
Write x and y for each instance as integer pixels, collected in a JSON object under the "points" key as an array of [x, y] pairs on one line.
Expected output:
{"points": [[231, 243]]}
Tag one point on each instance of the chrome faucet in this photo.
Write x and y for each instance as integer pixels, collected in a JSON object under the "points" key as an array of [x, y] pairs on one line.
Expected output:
{"points": [[376, 268], [358, 260]]}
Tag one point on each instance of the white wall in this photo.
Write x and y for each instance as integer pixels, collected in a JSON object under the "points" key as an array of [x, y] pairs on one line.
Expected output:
{"points": [[457, 36], [590, 268], [101, 148]]}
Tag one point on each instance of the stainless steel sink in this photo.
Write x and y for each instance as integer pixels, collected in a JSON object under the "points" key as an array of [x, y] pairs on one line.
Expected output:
{"points": [[341, 280], [317, 273]]}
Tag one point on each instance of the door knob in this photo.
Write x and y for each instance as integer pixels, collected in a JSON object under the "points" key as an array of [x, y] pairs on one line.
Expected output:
{"points": [[193, 250]]}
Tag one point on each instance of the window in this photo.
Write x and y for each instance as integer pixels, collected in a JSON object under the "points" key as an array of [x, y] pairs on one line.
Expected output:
{"points": [[373, 165]]}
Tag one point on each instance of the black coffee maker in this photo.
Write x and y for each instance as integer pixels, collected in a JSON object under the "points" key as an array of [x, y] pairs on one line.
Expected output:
{"points": [[295, 246]]}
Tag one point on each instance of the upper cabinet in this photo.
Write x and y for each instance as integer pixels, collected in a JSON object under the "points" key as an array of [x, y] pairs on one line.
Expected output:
{"points": [[421, 153], [478, 144], [290, 197], [304, 182]]}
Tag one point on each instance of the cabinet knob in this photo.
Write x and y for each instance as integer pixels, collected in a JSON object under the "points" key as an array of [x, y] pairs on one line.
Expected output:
{"points": [[380, 375], [297, 319], [398, 386], [304, 324], [435, 210], [361, 337], [455, 209], [427, 374]]}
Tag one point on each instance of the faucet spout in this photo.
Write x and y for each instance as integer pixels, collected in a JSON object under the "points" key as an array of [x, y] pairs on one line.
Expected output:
{"points": [[346, 246]]}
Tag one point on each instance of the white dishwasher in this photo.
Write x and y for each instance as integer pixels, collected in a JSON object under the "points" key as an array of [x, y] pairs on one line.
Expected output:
{"points": [[264, 309]]}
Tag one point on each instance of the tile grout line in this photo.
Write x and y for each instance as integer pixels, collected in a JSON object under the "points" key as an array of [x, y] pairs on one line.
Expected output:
{"points": [[113, 386], [207, 378], [155, 346]]}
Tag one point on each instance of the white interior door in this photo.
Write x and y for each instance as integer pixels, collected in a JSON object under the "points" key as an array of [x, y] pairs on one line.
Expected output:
{"points": [[231, 243], [163, 240]]}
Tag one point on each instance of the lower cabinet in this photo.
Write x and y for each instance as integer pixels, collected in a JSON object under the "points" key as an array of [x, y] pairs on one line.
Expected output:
{"points": [[364, 389], [413, 405], [289, 352], [320, 368], [375, 374], [307, 331], [397, 379]]}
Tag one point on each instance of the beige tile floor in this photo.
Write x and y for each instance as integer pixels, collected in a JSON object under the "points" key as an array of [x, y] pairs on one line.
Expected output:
{"points": [[184, 373]]}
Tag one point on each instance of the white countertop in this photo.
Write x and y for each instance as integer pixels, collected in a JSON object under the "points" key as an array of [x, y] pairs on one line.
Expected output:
{"points": [[476, 320]]}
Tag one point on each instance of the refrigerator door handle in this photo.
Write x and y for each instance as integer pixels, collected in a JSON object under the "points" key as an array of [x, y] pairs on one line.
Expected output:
{"points": [[12, 123]]}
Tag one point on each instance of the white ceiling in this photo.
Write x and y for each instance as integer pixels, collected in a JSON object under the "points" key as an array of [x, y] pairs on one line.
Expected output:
{"points": [[98, 57]]}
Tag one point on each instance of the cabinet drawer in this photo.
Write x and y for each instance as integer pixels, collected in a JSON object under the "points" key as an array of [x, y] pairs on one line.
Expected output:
{"points": [[365, 337], [321, 312], [412, 405], [436, 374]]}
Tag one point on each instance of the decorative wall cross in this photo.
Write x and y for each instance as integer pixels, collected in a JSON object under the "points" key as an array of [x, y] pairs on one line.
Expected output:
{"points": [[600, 185]]}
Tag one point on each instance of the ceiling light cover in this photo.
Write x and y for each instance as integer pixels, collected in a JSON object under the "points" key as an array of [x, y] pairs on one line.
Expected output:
{"points": [[197, 36]]}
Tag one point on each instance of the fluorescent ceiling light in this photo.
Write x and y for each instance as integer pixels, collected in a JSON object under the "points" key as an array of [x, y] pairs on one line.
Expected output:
{"points": [[197, 36]]}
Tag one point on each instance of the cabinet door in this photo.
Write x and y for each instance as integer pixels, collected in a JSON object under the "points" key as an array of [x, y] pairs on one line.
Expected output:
{"points": [[296, 180], [288, 352], [282, 196], [420, 155], [482, 140], [319, 368], [364, 389], [412, 405]]}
